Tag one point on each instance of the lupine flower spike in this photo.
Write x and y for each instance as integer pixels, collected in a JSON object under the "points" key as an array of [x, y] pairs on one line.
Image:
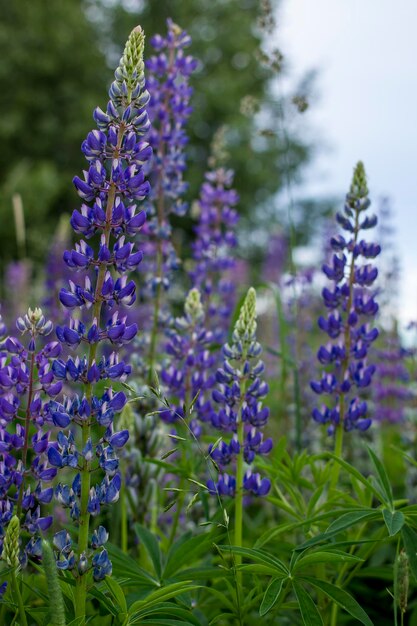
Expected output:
{"points": [[351, 308], [113, 186], [240, 396], [27, 384]]}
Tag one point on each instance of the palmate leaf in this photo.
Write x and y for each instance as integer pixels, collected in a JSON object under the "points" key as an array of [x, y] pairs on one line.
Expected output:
{"points": [[394, 521], [125, 566], [342, 598], [274, 592], [151, 544], [308, 610], [259, 556], [164, 593], [105, 601], [164, 610], [383, 478], [116, 592], [352, 471], [347, 520], [186, 551], [325, 556]]}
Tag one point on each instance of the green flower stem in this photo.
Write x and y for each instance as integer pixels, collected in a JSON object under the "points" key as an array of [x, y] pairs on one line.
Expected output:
{"points": [[238, 539], [56, 600], [338, 449], [338, 446], [123, 516], [18, 597], [84, 520], [27, 428]]}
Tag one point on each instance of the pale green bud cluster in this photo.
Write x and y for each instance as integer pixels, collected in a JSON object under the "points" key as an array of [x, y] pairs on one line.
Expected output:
{"points": [[10, 552], [34, 322], [193, 306], [245, 328], [359, 186], [131, 66], [219, 153]]}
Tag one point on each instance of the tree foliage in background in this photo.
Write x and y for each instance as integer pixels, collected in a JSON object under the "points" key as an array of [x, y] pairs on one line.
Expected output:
{"points": [[48, 93], [236, 86], [51, 91]]}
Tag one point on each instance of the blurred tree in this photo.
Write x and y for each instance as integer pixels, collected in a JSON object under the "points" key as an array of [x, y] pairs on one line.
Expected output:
{"points": [[52, 75], [236, 87]]}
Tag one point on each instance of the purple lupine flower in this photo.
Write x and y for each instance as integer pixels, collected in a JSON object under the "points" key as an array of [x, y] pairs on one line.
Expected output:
{"points": [[169, 71], [187, 373], [212, 273], [351, 307], [239, 396], [111, 189], [27, 384], [391, 392], [275, 258]]}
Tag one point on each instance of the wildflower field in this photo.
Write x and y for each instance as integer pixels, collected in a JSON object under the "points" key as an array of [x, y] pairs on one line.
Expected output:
{"points": [[189, 438]]}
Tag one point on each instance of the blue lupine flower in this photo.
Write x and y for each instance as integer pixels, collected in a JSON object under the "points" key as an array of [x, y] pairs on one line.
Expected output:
{"points": [[111, 188], [351, 306], [239, 397]]}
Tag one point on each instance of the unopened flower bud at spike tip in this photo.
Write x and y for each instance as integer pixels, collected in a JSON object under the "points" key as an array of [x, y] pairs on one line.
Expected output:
{"points": [[11, 543], [193, 306], [359, 184], [245, 327]]}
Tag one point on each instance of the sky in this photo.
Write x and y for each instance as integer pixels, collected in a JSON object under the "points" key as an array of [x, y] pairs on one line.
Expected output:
{"points": [[365, 52]]}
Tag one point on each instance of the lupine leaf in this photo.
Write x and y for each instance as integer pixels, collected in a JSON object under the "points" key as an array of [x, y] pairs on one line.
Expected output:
{"points": [[394, 521], [308, 610], [351, 470], [382, 475], [152, 547], [117, 592], [165, 593], [258, 556], [325, 556], [349, 519], [169, 610], [344, 521], [124, 565], [185, 551], [342, 598], [272, 595]]}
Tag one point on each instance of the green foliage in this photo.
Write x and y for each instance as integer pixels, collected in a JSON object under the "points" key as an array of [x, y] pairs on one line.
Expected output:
{"points": [[52, 73]]}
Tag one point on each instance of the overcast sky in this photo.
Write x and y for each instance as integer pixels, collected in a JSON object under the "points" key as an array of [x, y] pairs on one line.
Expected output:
{"points": [[366, 55]]}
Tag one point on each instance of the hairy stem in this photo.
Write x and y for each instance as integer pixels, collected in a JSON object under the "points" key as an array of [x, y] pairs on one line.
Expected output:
{"points": [[27, 428]]}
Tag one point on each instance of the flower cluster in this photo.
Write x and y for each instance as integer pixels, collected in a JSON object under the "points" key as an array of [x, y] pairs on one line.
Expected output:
{"points": [[112, 187], [391, 391], [215, 238], [351, 307], [239, 398], [27, 384], [187, 374], [169, 71]]}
